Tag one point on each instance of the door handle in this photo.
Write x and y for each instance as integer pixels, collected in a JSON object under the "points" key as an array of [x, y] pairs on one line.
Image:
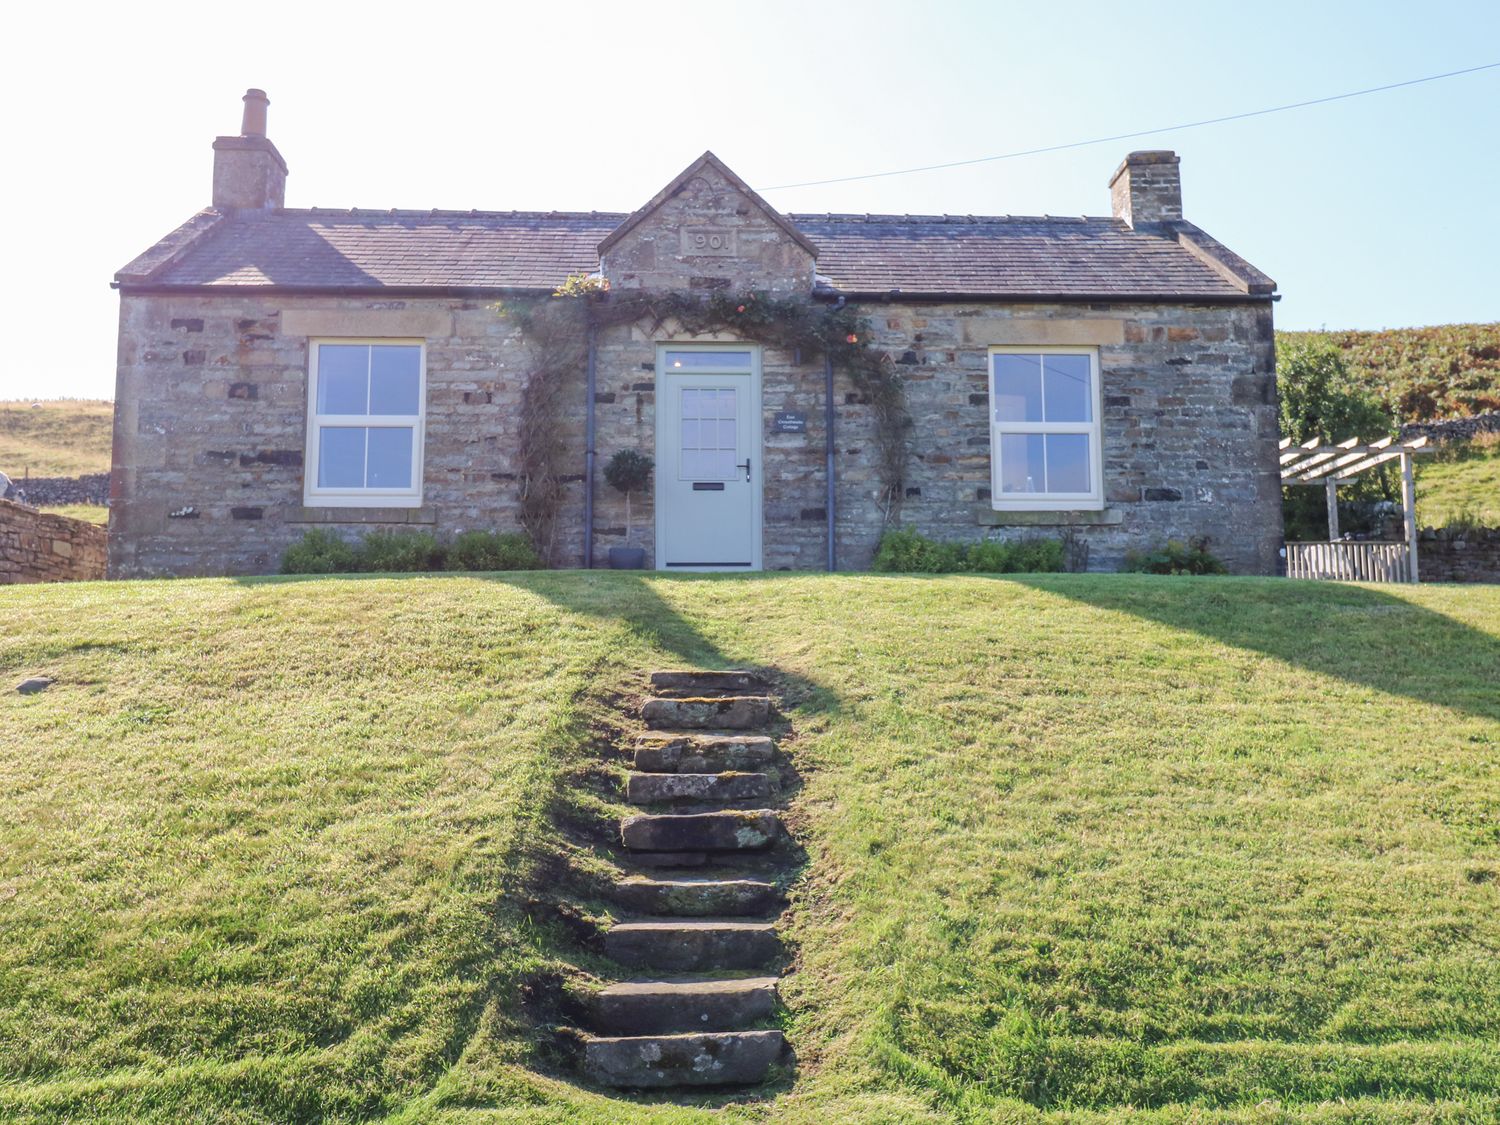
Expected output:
{"points": [[746, 467]]}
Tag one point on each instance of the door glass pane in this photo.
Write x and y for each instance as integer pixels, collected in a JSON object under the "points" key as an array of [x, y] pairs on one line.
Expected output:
{"points": [[698, 361], [727, 433], [1022, 463], [1018, 388], [1065, 381], [390, 458], [395, 379], [343, 378], [341, 456], [1068, 463], [690, 439]]}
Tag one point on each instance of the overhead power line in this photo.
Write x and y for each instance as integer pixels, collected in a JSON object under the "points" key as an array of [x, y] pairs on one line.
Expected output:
{"points": [[1139, 133]]}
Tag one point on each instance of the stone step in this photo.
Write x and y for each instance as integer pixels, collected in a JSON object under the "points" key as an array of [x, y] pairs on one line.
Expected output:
{"points": [[657, 1007], [669, 859], [729, 712], [730, 830], [696, 896], [693, 945], [648, 788], [695, 682], [734, 1058], [661, 752]]}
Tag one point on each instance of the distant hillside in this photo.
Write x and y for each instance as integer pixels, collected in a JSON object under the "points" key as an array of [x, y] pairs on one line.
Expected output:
{"points": [[56, 438], [1444, 371]]}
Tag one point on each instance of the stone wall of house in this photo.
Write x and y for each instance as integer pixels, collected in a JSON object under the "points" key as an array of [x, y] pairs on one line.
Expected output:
{"points": [[211, 426], [1472, 555], [42, 547], [210, 430], [1189, 428]]}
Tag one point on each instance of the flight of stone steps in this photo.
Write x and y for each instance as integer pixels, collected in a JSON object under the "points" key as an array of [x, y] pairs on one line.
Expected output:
{"points": [[707, 863]]}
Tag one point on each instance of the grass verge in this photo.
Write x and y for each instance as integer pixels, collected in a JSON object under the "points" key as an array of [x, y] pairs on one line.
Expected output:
{"points": [[1084, 848]]}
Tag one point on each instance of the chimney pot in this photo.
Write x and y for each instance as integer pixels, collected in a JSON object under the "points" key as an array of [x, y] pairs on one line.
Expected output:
{"points": [[1146, 189], [253, 123]]}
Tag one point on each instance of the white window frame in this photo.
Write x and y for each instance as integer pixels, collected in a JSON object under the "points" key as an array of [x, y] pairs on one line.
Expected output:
{"points": [[1091, 501], [316, 497]]}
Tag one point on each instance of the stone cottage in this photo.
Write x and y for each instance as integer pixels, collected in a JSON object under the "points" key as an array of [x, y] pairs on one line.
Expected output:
{"points": [[1108, 379]]}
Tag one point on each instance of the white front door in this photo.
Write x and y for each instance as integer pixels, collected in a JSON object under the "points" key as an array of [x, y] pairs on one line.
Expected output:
{"points": [[708, 470]]}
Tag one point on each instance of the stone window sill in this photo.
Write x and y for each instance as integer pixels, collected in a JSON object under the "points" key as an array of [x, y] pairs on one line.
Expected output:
{"points": [[986, 516], [361, 515]]}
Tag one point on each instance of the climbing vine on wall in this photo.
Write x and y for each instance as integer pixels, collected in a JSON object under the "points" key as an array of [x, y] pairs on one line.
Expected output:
{"points": [[557, 331]]}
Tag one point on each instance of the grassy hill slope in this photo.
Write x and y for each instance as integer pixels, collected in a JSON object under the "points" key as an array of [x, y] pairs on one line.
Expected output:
{"points": [[1442, 371], [1083, 848], [1461, 483], [59, 438]]}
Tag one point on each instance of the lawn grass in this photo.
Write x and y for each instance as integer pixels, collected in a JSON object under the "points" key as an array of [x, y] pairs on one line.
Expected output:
{"points": [[89, 513], [1460, 483], [1082, 848], [55, 438]]}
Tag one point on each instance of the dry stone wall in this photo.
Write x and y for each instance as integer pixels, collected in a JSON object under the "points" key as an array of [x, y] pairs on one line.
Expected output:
{"points": [[42, 547], [1445, 555]]}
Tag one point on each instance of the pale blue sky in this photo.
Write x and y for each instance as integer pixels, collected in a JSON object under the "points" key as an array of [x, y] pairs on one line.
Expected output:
{"points": [[1376, 211]]}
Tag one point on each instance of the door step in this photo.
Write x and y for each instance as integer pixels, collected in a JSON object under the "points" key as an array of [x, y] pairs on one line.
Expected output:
{"points": [[660, 1007], [688, 945], [729, 712], [696, 896], [731, 830], [662, 752], [648, 788], [732, 1058]]}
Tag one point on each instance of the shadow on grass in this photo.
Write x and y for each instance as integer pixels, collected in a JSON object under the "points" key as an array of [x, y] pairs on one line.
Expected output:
{"points": [[1352, 633]]}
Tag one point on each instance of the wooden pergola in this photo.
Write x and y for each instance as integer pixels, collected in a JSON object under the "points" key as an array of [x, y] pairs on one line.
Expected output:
{"points": [[1317, 463]]}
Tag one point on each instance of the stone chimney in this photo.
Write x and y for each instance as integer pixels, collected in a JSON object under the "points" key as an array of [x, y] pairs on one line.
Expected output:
{"points": [[249, 174], [1146, 188]]}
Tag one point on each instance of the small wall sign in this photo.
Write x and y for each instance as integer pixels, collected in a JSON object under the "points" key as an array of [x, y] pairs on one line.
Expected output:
{"points": [[789, 422], [708, 242]]}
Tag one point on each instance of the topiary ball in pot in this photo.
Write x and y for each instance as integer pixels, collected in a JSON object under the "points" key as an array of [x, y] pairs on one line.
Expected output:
{"points": [[628, 471]]}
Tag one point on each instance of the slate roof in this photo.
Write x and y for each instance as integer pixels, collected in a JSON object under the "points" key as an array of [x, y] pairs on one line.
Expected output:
{"points": [[319, 249]]}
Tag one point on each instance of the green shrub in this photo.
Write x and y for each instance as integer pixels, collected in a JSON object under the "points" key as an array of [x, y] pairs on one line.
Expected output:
{"points": [[490, 550], [1029, 556], [1176, 557], [319, 552], [904, 551], [400, 551]]}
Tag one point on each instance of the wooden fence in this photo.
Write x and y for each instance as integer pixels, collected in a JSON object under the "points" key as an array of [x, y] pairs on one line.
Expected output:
{"points": [[1350, 561]]}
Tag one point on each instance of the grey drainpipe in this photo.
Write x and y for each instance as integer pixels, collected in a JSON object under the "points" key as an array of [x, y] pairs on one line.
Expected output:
{"points": [[831, 501], [588, 456]]}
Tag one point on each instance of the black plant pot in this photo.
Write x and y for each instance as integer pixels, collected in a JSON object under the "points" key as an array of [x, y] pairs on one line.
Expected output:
{"points": [[627, 558]]}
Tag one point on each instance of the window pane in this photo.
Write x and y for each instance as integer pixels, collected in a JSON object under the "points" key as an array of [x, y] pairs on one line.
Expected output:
{"points": [[1018, 388], [341, 456], [1022, 463], [343, 378], [690, 361], [691, 406], [395, 379], [390, 458], [727, 435], [1068, 394], [690, 438], [1068, 463], [697, 465]]}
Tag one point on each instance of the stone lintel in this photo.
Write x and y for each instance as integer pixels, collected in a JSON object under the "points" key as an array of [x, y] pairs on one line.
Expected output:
{"points": [[995, 331], [425, 324]]}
